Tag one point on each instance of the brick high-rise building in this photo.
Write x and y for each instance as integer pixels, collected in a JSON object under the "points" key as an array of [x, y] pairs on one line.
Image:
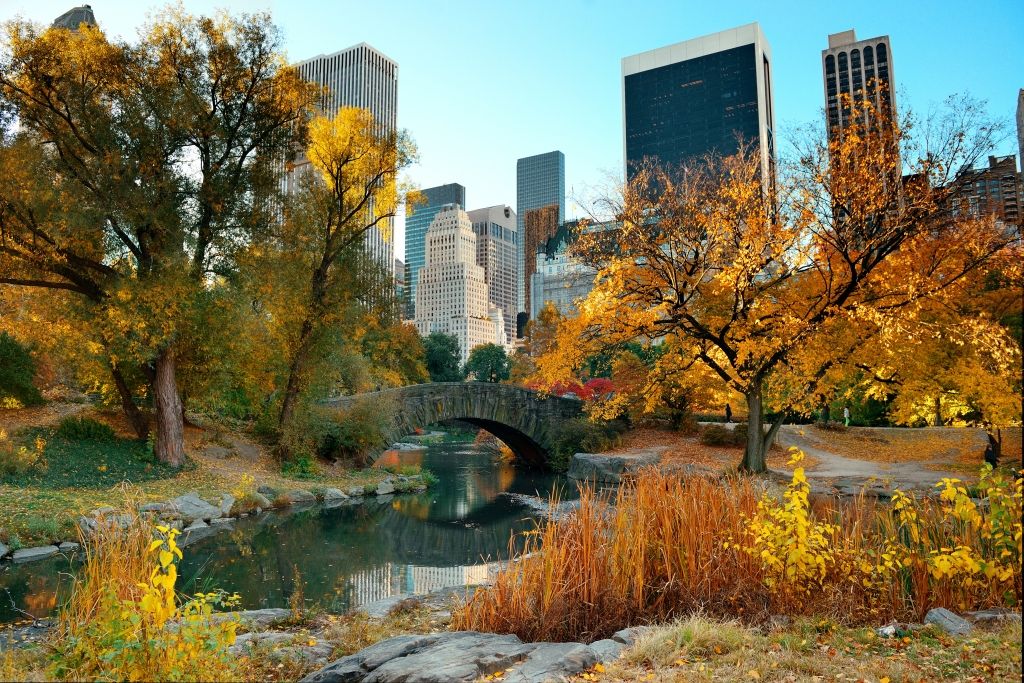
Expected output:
{"points": [[540, 182], [539, 226], [993, 190], [858, 70]]}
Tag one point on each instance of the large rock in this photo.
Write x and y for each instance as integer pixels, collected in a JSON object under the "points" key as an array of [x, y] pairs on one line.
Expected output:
{"points": [[948, 621], [260, 500], [30, 554], [3, 550], [451, 656], [985, 616], [227, 501], [255, 619], [607, 650], [192, 508], [553, 662], [333, 494], [385, 487], [609, 469], [629, 636], [296, 496]]}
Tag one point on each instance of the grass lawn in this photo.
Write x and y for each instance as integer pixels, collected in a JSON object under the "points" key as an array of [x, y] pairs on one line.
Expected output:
{"points": [[82, 475], [698, 649]]}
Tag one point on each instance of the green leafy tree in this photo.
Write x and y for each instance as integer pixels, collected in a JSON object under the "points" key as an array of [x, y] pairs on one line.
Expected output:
{"points": [[17, 368], [443, 357], [488, 363]]}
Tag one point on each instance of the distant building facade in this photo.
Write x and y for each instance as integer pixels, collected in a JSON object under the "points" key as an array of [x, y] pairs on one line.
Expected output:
{"points": [[540, 182], [399, 275], [358, 76], [451, 296], [539, 225], [856, 70], [995, 190], [417, 221], [559, 277], [1020, 129], [497, 246], [75, 17], [697, 97]]}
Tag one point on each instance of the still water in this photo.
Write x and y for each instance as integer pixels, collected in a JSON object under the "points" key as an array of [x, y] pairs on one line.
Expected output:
{"points": [[349, 555]]}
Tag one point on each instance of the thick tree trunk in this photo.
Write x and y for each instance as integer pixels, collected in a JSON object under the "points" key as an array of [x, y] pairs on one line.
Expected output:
{"points": [[755, 454], [294, 386], [138, 421], [170, 428], [938, 411]]}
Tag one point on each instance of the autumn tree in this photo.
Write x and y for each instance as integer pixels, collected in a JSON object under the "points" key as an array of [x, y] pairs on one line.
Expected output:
{"points": [[352, 188], [746, 278], [488, 363], [143, 167]]}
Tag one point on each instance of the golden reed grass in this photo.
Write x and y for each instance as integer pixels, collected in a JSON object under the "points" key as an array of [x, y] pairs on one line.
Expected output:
{"points": [[665, 547]]}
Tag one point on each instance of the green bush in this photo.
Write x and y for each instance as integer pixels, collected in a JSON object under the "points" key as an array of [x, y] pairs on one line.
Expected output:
{"points": [[84, 429], [360, 430], [582, 436], [300, 467], [17, 370]]}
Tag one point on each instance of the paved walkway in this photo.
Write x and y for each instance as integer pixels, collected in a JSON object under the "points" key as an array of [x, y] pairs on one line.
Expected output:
{"points": [[848, 475]]}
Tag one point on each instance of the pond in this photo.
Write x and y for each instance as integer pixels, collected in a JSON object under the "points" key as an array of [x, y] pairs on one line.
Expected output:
{"points": [[350, 555]]}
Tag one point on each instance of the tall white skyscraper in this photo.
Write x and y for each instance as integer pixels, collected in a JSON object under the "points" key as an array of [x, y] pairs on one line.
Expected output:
{"points": [[496, 253], [358, 76], [451, 296]]}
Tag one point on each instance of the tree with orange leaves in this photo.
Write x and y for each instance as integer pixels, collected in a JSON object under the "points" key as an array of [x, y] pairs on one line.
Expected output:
{"points": [[773, 288]]}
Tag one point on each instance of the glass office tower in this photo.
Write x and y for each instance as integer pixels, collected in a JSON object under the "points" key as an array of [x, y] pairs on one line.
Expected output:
{"points": [[540, 182], [704, 95], [416, 224]]}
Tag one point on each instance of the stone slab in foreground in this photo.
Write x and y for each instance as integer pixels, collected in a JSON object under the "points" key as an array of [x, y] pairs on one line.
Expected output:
{"points": [[457, 656]]}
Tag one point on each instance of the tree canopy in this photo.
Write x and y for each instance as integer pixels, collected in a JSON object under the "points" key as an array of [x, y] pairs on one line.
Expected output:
{"points": [[488, 363], [443, 357]]}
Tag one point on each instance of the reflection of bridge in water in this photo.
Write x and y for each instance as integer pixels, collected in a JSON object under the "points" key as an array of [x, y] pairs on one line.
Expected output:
{"points": [[391, 579]]}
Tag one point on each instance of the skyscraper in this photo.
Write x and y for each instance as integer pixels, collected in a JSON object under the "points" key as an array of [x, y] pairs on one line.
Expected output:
{"points": [[417, 222], [75, 17], [452, 296], [497, 247], [539, 226], [540, 182], [358, 76], [699, 96], [1020, 129], [559, 277], [856, 69]]}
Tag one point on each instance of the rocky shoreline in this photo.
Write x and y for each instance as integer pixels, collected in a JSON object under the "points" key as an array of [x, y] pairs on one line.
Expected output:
{"points": [[196, 517]]}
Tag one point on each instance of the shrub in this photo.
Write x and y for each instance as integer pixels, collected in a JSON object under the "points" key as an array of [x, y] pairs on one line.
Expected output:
{"points": [[18, 460], [125, 620], [582, 436], [831, 426], [360, 430], [667, 546], [17, 370], [84, 429], [718, 435], [300, 467]]}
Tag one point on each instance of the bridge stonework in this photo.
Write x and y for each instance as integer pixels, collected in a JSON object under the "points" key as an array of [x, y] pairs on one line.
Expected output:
{"points": [[522, 418]]}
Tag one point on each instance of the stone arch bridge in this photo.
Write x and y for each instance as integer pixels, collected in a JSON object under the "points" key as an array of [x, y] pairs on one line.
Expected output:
{"points": [[525, 420]]}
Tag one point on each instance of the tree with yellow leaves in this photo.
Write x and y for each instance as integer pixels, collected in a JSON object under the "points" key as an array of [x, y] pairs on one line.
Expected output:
{"points": [[135, 174], [353, 188], [760, 282]]}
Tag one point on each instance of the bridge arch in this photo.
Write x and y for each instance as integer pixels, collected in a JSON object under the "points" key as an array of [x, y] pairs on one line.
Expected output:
{"points": [[523, 419]]}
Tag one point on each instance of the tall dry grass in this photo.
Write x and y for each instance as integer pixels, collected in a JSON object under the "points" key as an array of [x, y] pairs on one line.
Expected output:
{"points": [[665, 547]]}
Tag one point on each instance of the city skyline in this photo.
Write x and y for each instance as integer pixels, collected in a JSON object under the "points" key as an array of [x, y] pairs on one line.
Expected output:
{"points": [[580, 88]]}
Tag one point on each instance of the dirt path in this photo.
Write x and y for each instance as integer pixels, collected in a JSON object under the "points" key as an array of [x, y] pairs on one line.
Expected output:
{"points": [[850, 472], [12, 421]]}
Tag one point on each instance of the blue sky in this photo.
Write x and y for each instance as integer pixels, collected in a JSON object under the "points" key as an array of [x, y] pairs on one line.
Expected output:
{"points": [[482, 83]]}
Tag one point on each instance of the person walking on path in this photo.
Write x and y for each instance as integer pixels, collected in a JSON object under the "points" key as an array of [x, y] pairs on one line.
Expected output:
{"points": [[846, 415], [728, 413]]}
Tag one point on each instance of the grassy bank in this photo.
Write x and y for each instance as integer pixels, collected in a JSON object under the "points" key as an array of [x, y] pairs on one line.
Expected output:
{"points": [[41, 504]]}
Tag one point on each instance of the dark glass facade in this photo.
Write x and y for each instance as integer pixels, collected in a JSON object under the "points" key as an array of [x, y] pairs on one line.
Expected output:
{"points": [[680, 111], [540, 182]]}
